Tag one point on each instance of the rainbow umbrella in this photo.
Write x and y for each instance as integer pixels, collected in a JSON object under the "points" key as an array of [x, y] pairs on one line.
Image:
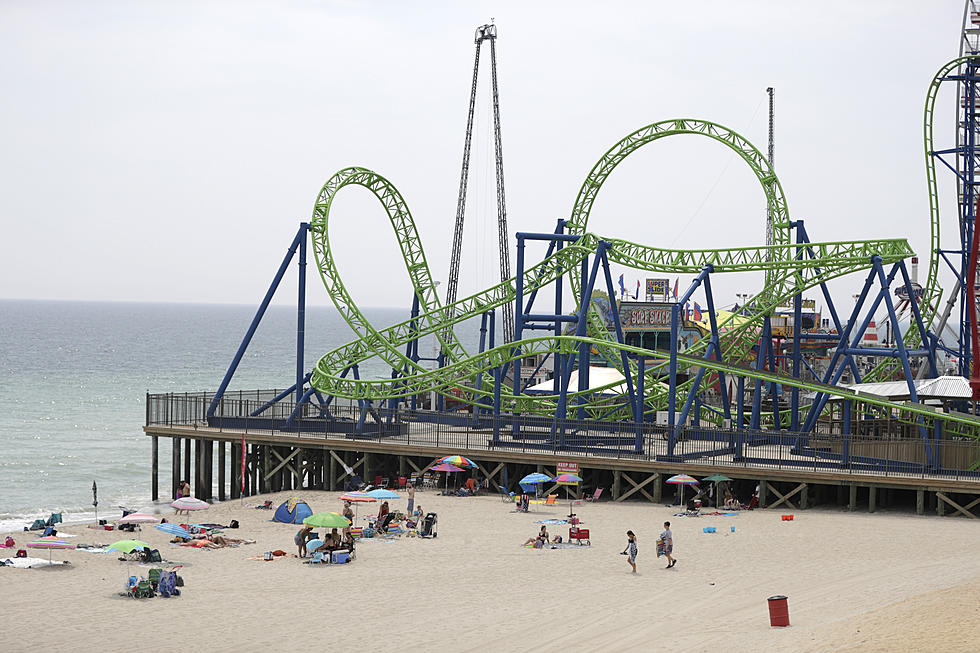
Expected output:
{"points": [[566, 480], [357, 497], [459, 461], [49, 543]]}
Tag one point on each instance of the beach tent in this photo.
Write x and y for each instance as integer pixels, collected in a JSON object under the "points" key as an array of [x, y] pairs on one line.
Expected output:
{"points": [[292, 511]]}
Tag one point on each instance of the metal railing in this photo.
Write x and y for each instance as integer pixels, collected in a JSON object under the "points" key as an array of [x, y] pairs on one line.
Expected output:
{"points": [[893, 457]]}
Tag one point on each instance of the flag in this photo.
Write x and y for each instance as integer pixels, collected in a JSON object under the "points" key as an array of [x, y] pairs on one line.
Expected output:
{"points": [[636, 293], [676, 281], [687, 310], [697, 312], [622, 286]]}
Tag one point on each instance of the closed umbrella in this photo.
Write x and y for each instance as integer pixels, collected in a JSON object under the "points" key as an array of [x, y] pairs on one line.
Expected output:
{"points": [[49, 543]]}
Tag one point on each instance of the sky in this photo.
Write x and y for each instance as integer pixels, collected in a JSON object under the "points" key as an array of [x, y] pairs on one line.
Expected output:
{"points": [[168, 151]]}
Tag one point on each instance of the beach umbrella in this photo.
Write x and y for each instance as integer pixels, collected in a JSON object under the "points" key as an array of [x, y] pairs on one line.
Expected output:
{"points": [[327, 520], [49, 543], [535, 478], [174, 529], [127, 546], [139, 518], [446, 467], [190, 503], [566, 480], [382, 493], [357, 497], [458, 461], [313, 545], [682, 480], [716, 479]]}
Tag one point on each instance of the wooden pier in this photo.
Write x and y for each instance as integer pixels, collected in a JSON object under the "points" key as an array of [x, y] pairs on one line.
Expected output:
{"points": [[276, 460]]}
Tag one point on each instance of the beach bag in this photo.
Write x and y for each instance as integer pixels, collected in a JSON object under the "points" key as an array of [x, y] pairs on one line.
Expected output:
{"points": [[234, 524], [21, 553], [155, 556], [9, 542], [267, 556]]}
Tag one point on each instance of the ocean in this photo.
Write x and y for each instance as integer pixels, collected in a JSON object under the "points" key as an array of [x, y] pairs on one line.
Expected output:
{"points": [[74, 375]]}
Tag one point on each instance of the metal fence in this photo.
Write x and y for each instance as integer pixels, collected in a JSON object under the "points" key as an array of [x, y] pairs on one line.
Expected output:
{"points": [[251, 411]]}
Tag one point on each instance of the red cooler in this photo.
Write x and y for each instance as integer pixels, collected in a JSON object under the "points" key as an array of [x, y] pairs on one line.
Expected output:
{"points": [[778, 611]]}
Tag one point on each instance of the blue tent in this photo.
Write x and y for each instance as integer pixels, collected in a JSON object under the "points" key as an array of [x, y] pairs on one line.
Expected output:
{"points": [[292, 511]]}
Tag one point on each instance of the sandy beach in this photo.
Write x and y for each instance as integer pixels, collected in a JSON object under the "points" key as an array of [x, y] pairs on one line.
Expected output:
{"points": [[881, 582]]}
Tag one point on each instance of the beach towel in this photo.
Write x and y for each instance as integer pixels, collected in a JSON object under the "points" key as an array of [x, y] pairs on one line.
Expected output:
{"points": [[32, 563], [551, 521], [661, 547]]}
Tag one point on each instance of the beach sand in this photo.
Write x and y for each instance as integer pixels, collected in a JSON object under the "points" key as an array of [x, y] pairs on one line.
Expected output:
{"points": [[855, 582]]}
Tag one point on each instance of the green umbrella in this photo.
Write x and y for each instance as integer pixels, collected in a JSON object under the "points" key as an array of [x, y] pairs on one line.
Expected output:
{"points": [[327, 520], [716, 479], [127, 546]]}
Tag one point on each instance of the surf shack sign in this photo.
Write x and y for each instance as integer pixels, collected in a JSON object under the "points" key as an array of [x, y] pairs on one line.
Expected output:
{"points": [[645, 316]]}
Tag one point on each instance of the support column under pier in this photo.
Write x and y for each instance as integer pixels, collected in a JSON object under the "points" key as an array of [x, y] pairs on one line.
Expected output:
{"points": [[175, 467], [221, 472], [235, 468], [155, 473]]}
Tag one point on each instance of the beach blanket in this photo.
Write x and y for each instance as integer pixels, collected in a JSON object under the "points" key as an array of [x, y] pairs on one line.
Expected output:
{"points": [[720, 514], [31, 563], [551, 521]]}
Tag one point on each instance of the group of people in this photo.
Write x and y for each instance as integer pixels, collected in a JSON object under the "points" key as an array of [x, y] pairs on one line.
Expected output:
{"points": [[541, 539], [332, 541], [665, 547]]}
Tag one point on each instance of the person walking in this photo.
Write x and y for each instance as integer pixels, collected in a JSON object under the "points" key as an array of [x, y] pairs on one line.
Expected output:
{"points": [[411, 498], [668, 539], [630, 549]]}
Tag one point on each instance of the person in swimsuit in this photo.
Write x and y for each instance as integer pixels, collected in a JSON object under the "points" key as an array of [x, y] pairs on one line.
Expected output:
{"points": [[630, 549], [541, 537], [301, 538]]}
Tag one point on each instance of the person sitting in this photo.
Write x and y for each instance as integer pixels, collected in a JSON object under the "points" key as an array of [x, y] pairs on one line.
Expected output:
{"points": [[556, 539], [731, 503], [538, 540], [382, 511], [470, 485]]}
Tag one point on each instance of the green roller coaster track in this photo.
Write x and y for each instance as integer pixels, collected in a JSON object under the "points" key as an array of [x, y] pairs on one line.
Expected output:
{"points": [[786, 274]]}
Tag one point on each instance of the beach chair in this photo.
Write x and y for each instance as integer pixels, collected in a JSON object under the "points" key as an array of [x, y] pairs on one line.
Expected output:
{"points": [[595, 495], [154, 577], [316, 559], [550, 501], [402, 482]]}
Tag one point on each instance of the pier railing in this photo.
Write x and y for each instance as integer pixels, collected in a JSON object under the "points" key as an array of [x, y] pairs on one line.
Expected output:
{"points": [[252, 412]]}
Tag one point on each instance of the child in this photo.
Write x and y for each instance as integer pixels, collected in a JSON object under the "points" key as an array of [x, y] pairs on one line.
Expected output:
{"points": [[668, 540], [631, 549]]}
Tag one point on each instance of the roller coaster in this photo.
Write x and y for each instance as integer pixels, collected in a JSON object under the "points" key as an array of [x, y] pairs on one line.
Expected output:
{"points": [[486, 385]]}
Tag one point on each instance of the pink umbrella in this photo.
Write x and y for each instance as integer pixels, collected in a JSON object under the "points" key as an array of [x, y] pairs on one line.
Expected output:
{"points": [[139, 518], [190, 503], [446, 467]]}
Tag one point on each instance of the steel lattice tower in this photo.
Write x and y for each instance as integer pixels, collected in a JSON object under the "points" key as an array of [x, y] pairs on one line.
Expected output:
{"points": [[483, 33]]}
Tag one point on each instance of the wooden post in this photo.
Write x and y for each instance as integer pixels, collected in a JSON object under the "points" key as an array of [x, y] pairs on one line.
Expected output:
{"points": [[920, 501], [366, 469], [617, 485], [175, 467], [187, 460], [222, 479], [236, 470], [208, 470], [155, 474], [853, 500], [840, 495], [940, 506], [805, 497], [332, 484], [658, 489], [263, 468], [198, 481], [872, 497], [763, 493]]}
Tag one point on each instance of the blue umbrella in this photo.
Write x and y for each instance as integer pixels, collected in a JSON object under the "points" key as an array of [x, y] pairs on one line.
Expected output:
{"points": [[381, 493], [535, 478], [173, 529], [313, 545]]}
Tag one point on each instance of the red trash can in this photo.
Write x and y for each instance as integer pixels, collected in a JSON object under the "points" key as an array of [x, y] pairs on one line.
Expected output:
{"points": [[778, 611]]}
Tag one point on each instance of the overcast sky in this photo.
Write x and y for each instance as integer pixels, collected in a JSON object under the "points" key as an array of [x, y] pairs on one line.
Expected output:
{"points": [[168, 151]]}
